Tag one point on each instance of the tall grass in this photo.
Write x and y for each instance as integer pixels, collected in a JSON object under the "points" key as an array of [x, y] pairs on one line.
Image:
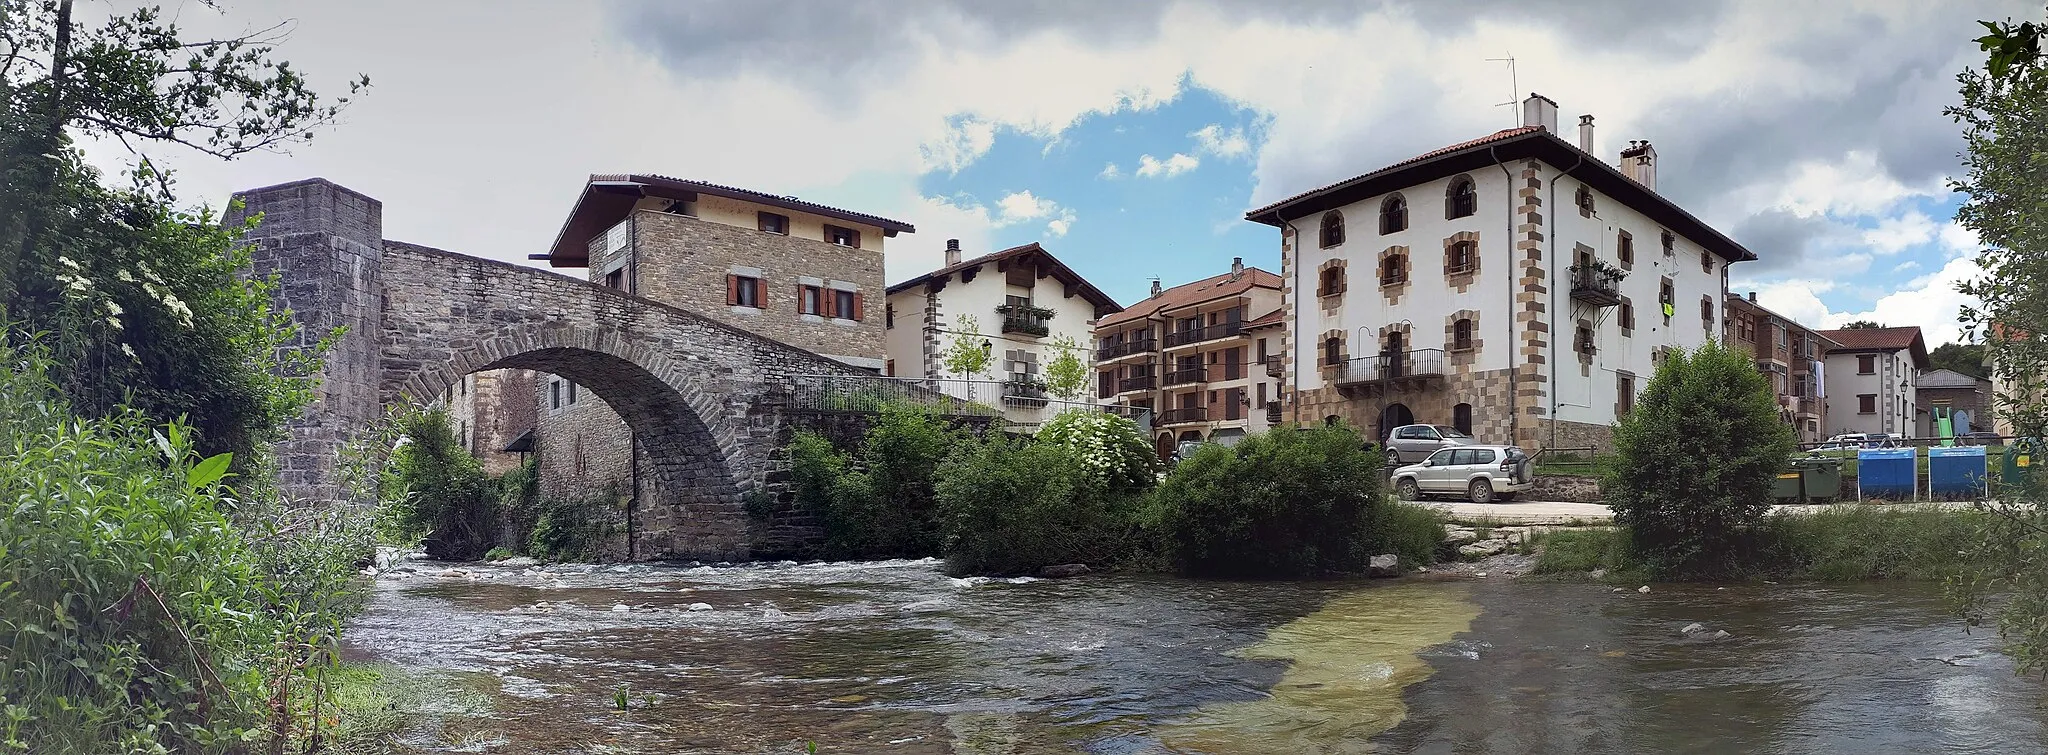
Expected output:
{"points": [[1842, 543]]}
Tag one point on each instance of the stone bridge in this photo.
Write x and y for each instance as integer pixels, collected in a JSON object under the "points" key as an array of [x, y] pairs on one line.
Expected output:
{"points": [[705, 400]]}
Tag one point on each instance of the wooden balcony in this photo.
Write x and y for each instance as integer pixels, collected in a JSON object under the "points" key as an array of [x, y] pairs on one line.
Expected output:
{"points": [[1407, 370]]}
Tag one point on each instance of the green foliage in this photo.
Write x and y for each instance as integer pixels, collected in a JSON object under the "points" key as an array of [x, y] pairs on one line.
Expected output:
{"points": [[442, 493], [1693, 464], [1414, 532], [964, 354], [2004, 113], [1863, 325], [1966, 358], [571, 530], [135, 616], [1575, 551], [1015, 506], [1291, 502], [1849, 543], [1111, 448], [1066, 376], [880, 502]]}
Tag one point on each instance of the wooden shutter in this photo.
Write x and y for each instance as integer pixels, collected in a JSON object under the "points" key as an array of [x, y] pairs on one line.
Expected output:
{"points": [[830, 301], [800, 300], [732, 290], [856, 245], [859, 301], [760, 292]]}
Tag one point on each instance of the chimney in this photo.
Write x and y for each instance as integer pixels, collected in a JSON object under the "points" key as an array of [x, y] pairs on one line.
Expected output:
{"points": [[1752, 296], [1156, 289], [1539, 110], [1236, 268], [1586, 133], [952, 252], [1639, 162]]}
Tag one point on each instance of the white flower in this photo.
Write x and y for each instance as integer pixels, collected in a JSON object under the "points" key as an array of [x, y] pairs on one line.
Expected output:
{"points": [[126, 350], [67, 262], [124, 276], [113, 309]]}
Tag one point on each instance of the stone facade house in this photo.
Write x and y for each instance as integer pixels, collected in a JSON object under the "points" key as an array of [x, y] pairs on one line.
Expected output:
{"points": [[1791, 356], [1021, 301], [794, 271], [1196, 356], [492, 411], [1872, 380], [1517, 285]]}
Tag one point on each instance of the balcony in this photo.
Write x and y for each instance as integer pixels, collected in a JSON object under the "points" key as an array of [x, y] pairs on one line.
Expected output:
{"points": [[1273, 366], [1024, 391], [1022, 318], [1187, 375], [1597, 283], [1137, 383], [1397, 371], [1128, 348], [1198, 335], [1184, 416]]}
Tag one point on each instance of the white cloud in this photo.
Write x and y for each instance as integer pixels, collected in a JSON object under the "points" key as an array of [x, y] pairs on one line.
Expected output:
{"points": [[1931, 301], [1057, 227], [1110, 172], [1178, 163], [1214, 139], [1894, 234], [959, 146], [1017, 207]]}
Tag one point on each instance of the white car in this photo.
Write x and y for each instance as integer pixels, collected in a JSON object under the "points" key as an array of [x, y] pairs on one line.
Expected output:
{"points": [[1483, 474]]}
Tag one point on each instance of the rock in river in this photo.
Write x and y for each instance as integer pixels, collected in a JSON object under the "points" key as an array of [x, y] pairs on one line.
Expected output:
{"points": [[1384, 565], [1064, 570], [1483, 548]]}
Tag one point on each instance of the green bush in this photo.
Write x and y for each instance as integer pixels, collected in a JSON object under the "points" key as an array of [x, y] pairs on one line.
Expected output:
{"points": [[1575, 551], [880, 501], [135, 616], [571, 530], [1415, 533], [443, 495], [1694, 461], [1291, 502], [1013, 507], [1111, 448], [1863, 542]]}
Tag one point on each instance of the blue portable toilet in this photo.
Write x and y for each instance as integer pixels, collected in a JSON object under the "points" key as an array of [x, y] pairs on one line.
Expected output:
{"points": [[1957, 473], [1887, 473]]}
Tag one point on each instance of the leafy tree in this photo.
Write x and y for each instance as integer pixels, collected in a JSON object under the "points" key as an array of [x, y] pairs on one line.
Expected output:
{"points": [[1966, 358], [1863, 325], [965, 354], [1693, 464], [1012, 506], [144, 304], [1110, 448], [1066, 376], [2004, 113], [443, 494], [1287, 503]]}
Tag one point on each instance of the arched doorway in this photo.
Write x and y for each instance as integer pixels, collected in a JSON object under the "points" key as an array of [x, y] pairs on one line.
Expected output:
{"points": [[1165, 446], [1395, 415], [1461, 418]]}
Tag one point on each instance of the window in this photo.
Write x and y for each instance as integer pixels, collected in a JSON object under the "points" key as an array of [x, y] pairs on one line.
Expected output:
{"points": [[772, 222], [1866, 364], [809, 300], [1584, 343], [1866, 403], [1393, 215], [1624, 394], [1463, 257], [1333, 350], [681, 207], [1745, 328], [1625, 248], [846, 305], [1707, 311], [838, 236], [1461, 199], [1418, 432], [743, 291], [1706, 263], [1461, 417], [1627, 317], [1441, 458], [555, 395], [1670, 243], [616, 279], [572, 394], [1333, 229], [888, 316], [1461, 334], [1668, 297], [465, 384], [1584, 200], [1471, 457], [1333, 281], [1393, 270]]}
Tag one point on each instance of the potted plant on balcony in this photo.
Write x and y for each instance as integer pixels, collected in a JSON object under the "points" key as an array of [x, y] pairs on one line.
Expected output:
{"points": [[1598, 273], [1024, 390]]}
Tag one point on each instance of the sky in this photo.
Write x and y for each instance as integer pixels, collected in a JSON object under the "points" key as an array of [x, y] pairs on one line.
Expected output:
{"points": [[1129, 138]]}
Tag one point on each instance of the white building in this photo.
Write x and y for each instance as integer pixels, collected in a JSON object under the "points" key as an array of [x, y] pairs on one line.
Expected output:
{"points": [[1515, 285], [1021, 302], [1873, 376]]}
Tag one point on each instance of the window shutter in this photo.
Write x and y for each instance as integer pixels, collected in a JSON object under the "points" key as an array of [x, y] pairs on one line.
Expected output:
{"points": [[732, 290], [859, 301], [856, 300], [760, 292], [831, 301], [800, 300]]}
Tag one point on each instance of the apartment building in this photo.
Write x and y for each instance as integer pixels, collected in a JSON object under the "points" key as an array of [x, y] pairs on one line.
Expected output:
{"points": [[1020, 305], [1196, 356], [1516, 286], [1872, 379], [1791, 356], [780, 267]]}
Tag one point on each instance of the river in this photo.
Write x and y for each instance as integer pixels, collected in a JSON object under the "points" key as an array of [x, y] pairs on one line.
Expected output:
{"points": [[897, 657]]}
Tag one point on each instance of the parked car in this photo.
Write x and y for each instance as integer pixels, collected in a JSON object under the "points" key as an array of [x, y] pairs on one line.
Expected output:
{"points": [[1411, 443], [1186, 449], [1482, 474]]}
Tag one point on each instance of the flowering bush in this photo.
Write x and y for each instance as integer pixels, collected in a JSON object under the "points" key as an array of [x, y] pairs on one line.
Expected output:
{"points": [[1110, 448]]}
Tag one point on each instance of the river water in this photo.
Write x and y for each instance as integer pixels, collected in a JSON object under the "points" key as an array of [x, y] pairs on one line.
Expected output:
{"points": [[896, 657]]}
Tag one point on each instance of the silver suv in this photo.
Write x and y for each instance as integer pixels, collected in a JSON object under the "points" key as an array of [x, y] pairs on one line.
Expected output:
{"points": [[1412, 443], [1483, 474]]}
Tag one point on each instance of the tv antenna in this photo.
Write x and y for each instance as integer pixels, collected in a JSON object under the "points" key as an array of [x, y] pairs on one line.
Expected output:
{"points": [[1514, 89]]}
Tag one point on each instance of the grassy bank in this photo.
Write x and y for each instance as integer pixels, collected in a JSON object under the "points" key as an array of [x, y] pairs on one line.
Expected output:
{"points": [[1844, 543]]}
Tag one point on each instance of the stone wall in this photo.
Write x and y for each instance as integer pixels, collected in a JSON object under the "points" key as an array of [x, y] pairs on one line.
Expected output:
{"points": [[491, 409], [1486, 390], [1551, 433]]}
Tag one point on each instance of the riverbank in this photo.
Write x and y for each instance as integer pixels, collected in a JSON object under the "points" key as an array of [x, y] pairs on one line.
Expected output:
{"points": [[1832, 543]]}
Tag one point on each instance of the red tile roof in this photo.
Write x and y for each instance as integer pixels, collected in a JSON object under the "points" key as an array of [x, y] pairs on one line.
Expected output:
{"points": [[1879, 339], [1206, 289], [1266, 320], [1059, 271]]}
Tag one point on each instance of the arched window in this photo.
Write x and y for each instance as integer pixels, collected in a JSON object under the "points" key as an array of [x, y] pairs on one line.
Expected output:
{"points": [[1461, 199], [1333, 350], [1461, 334], [1461, 418], [1333, 281], [1393, 215], [1393, 270], [1333, 229], [1584, 199]]}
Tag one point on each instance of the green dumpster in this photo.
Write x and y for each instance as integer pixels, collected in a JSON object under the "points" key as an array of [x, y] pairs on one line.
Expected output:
{"points": [[1785, 489], [2022, 457], [1820, 478]]}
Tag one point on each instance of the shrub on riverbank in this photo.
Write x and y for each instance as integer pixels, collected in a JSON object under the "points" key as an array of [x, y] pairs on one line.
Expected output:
{"points": [[1015, 506], [441, 494], [1842, 543], [1291, 502], [1694, 461], [877, 502]]}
